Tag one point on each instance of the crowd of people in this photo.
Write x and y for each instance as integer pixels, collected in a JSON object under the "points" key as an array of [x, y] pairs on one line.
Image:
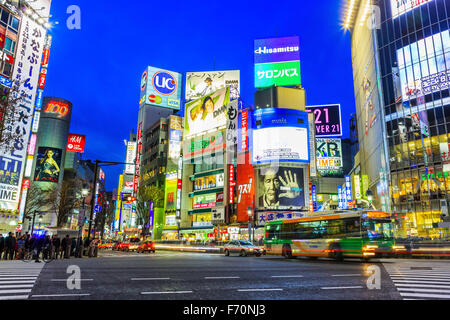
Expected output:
{"points": [[16, 247]]}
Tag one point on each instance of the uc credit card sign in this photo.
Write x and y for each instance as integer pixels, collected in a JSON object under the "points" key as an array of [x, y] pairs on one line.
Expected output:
{"points": [[161, 88]]}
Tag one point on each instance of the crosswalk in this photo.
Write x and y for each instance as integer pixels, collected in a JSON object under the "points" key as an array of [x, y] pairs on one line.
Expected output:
{"points": [[17, 279], [422, 281]]}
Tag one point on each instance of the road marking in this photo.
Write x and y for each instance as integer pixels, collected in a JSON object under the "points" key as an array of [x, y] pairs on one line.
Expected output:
{"points": [[60, 295], [16, 286], [14, 298], [418, 281], [9, 282], [418, 278], [422, 285], [15, 291], [424, 290], [246, 290], [293, 276], [213, 278], [424, 295], [17, 278], [138, 279], [77, 280], [336, 288], [165, 292], [348, 275], [421, 273]]}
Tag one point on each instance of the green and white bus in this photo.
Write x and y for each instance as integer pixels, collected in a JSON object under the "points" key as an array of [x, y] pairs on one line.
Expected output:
{"points": [[362, 234]]}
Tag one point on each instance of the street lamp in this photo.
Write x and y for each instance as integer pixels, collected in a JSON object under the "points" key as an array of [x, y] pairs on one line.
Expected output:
{"points": [[250, 216], [84, 194]]}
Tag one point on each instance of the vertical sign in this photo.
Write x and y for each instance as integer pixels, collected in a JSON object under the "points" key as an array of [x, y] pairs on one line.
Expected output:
{"points": [[25, 77], [312, 146], [340, 197], [365, 185], [314, 197], [138, 158], [131, 156], [348, 189], [179, 185], [151, 215], [357, 183], [244, 131], [231, 138], [231, 183]]}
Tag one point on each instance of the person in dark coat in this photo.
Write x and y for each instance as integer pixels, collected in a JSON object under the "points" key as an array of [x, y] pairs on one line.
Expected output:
{"points": [[10, 244], [56, 245], [66, 244], [37, 247], [2, 245], [46, 247]]}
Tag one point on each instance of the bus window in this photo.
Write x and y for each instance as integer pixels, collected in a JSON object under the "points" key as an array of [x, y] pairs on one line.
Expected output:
{"points": [[273, 232], [377, 229], [288, 231], [352, 227]]}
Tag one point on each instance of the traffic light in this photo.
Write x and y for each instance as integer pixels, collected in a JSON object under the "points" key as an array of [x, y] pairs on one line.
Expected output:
{"points": [[129, 199]]}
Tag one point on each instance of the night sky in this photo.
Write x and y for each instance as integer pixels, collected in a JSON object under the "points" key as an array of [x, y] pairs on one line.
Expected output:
{"points": [[99, 67]]}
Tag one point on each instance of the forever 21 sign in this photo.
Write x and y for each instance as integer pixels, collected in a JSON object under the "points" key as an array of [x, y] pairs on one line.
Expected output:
{"points": [[327, 120]]}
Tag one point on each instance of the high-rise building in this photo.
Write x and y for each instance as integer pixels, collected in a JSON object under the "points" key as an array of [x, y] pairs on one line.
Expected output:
{"points": [[401, 68]]}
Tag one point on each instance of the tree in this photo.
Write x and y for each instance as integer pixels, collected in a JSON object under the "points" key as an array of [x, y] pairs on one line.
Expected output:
{"points": [[65, 198], [145, 195], [11, 112], [37, 199]]}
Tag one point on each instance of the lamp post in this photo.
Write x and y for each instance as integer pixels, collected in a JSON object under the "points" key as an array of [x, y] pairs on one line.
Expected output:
{"points": [[84, 193], [250, 216]]}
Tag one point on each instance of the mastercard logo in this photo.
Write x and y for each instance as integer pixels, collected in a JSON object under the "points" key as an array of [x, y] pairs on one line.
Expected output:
{"points": [[154, 99]]}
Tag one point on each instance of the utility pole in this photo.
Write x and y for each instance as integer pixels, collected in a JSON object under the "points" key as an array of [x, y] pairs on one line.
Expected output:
{"points": [[93, 199]]}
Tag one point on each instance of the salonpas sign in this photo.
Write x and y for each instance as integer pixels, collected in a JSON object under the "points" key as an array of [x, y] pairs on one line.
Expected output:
{"points": [[400, 7]]}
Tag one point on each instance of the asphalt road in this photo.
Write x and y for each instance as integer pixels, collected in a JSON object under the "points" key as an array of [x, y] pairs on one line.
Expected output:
{"points": [[198, 276]]}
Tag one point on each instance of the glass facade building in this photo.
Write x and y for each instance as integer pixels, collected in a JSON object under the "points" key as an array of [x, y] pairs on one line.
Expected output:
{"points": [[411, 49]]}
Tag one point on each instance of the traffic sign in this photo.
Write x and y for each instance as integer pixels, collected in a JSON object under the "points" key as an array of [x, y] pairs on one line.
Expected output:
{"points": [[97, 208]]}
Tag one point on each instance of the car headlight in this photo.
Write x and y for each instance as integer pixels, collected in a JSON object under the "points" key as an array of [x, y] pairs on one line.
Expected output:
{"points": [[398, 247]]}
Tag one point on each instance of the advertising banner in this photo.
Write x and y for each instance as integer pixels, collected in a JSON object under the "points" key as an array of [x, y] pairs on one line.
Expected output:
{"points": [[348, 189], [428, 51], [205, 201], [25, 76], [357, 185], [175, 134], [131, 156], [327, 120], [277, 50], [244, 131], [201, 84], [232, 129], [170, 192], [218, 215], [245, 189], [204, 145], [209, 182], [365, 185], [206, 113], [76, 142], [399, 7], [263, 217], [48, 164], [329, 156], [280, 188], [280, 135], [280, 74], [161, 88]]}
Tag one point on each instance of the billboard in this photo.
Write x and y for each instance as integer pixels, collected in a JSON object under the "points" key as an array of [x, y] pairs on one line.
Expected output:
{"points": [[25, 75], [175, 134], [327, 120], [204, 145], [161, 88], [170, 192], [329, 156], [131, 156], [48, 164], [76, 142], [277, 62], [280, 135], [245, 187], [400, 7], [209, 182], [56, 109], [200, 84], [417, 81], [207, 113], [280, 188]]}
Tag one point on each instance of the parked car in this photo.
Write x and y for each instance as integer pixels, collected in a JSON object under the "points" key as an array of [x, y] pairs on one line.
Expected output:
{"points": [[130, 245], [243, 248], [105, 244], [144, 246]]}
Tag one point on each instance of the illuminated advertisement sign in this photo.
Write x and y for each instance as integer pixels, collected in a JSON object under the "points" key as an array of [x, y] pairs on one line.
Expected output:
{"points": [[400, 7], [201, 84], [244, 131], [32, 144], [433, 51], [348, 189], [161, 88], [341, 198], [277, 62], [131, 156], [209, 182], [170, 192], [206, 113], [280, 135], [365, 185], [48, 164], [314, 197], [357, 183], [280, 188], [57, 110], [30, 43], [327, 120], [76, 142], [175, 134], [138, 158], [231, 183], [245, 189], [205, 201], [329, 156]]}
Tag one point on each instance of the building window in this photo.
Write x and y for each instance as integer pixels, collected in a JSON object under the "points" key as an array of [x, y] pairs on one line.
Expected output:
{"points": [[13, 23], [4, 18], [7, 69], [10, 45]]}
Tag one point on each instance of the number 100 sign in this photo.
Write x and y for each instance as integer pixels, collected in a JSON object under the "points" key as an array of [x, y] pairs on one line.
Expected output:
{"points": [[327, 120]]}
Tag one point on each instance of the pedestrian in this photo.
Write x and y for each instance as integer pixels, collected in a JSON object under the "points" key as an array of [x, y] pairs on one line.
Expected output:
{"points": [[37, 247], [21, 247], [87, 242], [74, 247], [46, 247], [66, 245], [2, 245], [10, 244], [56, 245]]}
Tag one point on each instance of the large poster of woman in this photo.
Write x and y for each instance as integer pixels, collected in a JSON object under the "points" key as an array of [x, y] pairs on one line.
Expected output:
{"points": [[48, 164], [206, 113]]}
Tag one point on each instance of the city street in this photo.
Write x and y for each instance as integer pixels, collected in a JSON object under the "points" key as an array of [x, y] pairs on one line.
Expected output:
{"points": [[194, 276]]}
